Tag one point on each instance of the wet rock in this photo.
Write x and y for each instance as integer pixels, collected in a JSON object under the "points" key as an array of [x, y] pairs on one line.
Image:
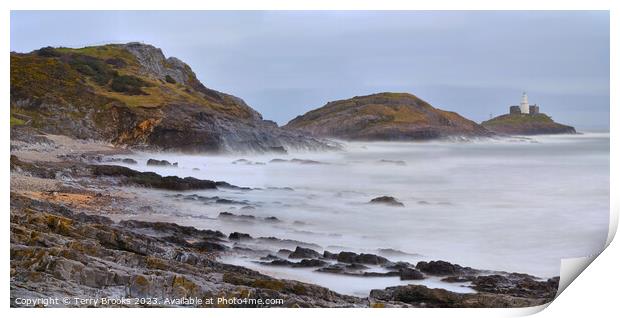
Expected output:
{"points": [[239, 236], [346, 257], [124, 160], [355, 267], [272, 219], [279, 262], [518, 285], [161, 163], [208, 246], [458, 279], [310, 263], [370, 259], [422, 296], [151, 179], [410, 274], [301, 252], [329, 255], [333, 268], [386, 200], [442, 268]]}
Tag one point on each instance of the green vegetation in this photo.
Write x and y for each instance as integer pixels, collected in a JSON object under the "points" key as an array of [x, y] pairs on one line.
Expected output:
{"points": [[16, 121], [99, 71], [518, 119], [129, 84]]}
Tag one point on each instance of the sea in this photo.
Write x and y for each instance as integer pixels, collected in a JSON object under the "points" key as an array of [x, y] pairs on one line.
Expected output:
{"points": [[516, 204]]}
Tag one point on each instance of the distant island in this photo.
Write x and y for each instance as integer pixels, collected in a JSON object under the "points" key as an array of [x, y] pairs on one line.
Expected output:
{"points": [[384, 116], [526, 119]]}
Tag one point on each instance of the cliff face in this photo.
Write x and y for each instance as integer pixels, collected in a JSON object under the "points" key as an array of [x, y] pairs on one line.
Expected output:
{"points": [[384, 116], [521, 124], [131, 94]]}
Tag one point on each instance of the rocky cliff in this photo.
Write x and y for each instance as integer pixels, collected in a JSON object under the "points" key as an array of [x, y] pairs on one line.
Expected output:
{"points": [[384, 116], [525, 124], [131, 94]]}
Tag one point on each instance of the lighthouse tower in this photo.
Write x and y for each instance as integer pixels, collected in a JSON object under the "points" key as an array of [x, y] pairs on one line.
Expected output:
{"points": [[525, 105]]}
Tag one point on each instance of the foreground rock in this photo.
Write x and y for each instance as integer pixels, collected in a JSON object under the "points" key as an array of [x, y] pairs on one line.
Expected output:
{"points": [[526, 124], [132, 95], [422, 296], [384, 116], [58, 253]]}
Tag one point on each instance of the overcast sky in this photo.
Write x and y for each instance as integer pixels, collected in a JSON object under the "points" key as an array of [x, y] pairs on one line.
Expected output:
{"points": [[284, 63]]}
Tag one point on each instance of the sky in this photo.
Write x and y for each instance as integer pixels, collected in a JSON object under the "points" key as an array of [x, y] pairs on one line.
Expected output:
{"points": [[285, 63]]}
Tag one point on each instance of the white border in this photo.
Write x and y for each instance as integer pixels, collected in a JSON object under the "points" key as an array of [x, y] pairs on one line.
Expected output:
{"points": [[594, 294]]}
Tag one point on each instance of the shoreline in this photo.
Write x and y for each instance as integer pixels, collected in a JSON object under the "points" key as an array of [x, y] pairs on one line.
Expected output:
{"points": [[61, 191]]}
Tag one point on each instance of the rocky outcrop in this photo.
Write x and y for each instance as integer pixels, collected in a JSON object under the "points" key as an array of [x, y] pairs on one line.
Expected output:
{"points": [[384, 116], [422, 296], [526, 124], [386, 200], [131, 94], [58, 253]]}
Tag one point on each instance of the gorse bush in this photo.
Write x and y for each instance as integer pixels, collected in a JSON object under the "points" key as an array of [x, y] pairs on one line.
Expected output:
{"points": [[99, 71], [128, 84], [48, 51]]}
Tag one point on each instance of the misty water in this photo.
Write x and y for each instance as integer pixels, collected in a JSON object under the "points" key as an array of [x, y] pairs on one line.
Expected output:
{"points": [[513, 204]]}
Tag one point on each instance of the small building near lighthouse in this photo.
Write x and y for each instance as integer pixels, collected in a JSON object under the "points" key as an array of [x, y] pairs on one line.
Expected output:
{"points": [[524, 107]]}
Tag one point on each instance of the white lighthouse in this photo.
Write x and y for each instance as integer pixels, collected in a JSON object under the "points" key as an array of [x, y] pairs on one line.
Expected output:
{"points": [[525, 105]]}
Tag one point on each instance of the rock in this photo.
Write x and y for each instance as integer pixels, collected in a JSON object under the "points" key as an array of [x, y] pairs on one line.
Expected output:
{"points": [[518, 285], [355, 267], [208, 246], [279, 262], [239, 236], [329, 255], [346, 257], [442, 268], [422, 296], [386, 200], [370, 259], [155, 162], [129, 161], [301, 252], [151, 179], [272, 219], [384, 116], [310, 263], [410, 274]]}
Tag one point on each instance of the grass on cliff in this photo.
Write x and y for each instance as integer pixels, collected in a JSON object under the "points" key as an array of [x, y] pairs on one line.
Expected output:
{"points": [[518, 119]]}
